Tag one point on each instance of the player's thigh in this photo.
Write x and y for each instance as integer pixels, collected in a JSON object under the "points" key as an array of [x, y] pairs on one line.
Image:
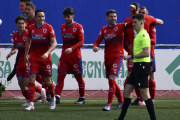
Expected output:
{"points": [[64, 66], [129, 65], [76, 66], [144, 93], [45, 68], [128, 90]]}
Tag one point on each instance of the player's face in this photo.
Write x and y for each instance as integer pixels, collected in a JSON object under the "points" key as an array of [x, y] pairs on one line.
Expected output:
{"points": [[21, 25], [22, 6], [69, 19], [29, 11], [112, 18], [136, 24], [143, 11], [40, 17]]}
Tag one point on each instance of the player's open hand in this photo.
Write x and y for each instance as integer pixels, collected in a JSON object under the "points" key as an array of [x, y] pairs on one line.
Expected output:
{"points": [[127, 57], [95, 49], [45, 56], [8, 56], [68, 51]]}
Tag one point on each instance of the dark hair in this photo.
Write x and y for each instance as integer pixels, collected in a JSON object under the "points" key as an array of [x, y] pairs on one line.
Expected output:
{"points": [[110, 11], [136, 4], [39, 11], [20, 18], [143, 7], [68, 11], [24, 0], [31, 4], [138, 16]]}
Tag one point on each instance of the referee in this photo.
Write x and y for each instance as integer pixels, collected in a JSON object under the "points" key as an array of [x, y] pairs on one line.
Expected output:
{"points": [[141, 69]]}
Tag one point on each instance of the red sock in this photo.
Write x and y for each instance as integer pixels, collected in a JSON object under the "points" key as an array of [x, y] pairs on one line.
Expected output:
{"points": [[112, 90], [51, 88], [38, 89], [25, 94], [60, 83], [31, 91], [39, 79], [119, 94], [139, 95], [81, 84], [152, 89], [125, 82], [44, 86]]}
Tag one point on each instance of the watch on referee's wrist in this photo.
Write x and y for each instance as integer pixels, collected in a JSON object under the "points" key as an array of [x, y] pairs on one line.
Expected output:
{"points": [[132, 56]]}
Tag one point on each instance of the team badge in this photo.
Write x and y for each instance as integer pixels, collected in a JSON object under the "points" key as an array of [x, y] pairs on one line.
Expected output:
{"points": [[74, 29], [44, 30], [75, 66], [52, 32], [24, 38], [115, 65], [116, 28]]}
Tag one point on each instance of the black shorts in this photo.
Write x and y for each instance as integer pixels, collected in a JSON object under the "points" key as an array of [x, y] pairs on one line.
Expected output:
{"points": [[139, 75]]}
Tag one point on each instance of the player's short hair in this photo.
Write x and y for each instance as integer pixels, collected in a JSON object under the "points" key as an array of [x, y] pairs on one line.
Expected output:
{"points": [[24, 0], [39, 11], [31, 4], [138, 16], [143, 7], [110, 11], [68, 11], [20, 18], [136, 4]]}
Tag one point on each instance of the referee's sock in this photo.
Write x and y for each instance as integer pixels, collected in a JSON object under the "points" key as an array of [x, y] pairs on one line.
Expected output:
{"points": [[127, 102], [150, 108]]}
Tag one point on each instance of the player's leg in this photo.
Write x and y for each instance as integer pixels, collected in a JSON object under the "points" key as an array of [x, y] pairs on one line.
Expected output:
{"points": [[127, 100], [152, 83], [25, 90], [63, 69]]}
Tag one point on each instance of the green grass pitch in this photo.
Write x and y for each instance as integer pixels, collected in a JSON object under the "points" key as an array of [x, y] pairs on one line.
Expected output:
{"points": [[11, 109]]}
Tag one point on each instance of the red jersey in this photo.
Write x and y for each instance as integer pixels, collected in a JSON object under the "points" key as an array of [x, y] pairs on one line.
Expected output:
{"points": [[73, 37], [152, 34], [20, 41], [131, 33], [40, 41], [28, 23], [114, 40]]}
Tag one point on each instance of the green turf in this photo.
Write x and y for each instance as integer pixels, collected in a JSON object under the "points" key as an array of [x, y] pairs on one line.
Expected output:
{"points": [[166, 109]]}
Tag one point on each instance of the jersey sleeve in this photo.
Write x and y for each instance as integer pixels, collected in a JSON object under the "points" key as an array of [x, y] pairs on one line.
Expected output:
{"points": [[13, 38], [146, 41], [152, 34], [29, 32], [80, 38], [99, 39], [152, 20], [51, 32]]}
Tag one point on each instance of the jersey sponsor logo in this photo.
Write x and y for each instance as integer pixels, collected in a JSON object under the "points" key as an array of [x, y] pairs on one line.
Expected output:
{"points": [[48, 67], [74, 29], [82, 31], [68, 35], [116, 28], [109, 36], [24, 38], [38, 37], [44, 30], [19, 44], [115, 65]]}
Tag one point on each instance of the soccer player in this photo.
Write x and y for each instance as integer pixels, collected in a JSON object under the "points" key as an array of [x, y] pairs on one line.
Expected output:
{"points": [[30, 20], [152, 33], [22, 71], [70, 61], [113, 34], [130, 35], [141, 68], [42, 40], [22, 7]]}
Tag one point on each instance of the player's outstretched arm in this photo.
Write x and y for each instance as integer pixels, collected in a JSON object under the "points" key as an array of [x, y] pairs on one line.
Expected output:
{"points": [[13, 51], [159, 22], [53, 46]]}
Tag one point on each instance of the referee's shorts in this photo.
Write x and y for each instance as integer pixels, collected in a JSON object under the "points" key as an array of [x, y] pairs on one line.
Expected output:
{"points": [[139, 75]]}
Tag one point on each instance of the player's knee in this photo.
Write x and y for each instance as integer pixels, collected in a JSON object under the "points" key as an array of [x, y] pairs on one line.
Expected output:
{"points": [[112, 77]]}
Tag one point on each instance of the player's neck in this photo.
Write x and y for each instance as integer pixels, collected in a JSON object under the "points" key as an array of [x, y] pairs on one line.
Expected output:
{"points": [[39, 24], [139, 29], [20, 32], [70, 23], [31, 18]]}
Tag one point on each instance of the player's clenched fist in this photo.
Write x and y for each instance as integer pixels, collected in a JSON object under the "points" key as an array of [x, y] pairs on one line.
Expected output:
{"points": [[95, 49], [68, 50]]}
